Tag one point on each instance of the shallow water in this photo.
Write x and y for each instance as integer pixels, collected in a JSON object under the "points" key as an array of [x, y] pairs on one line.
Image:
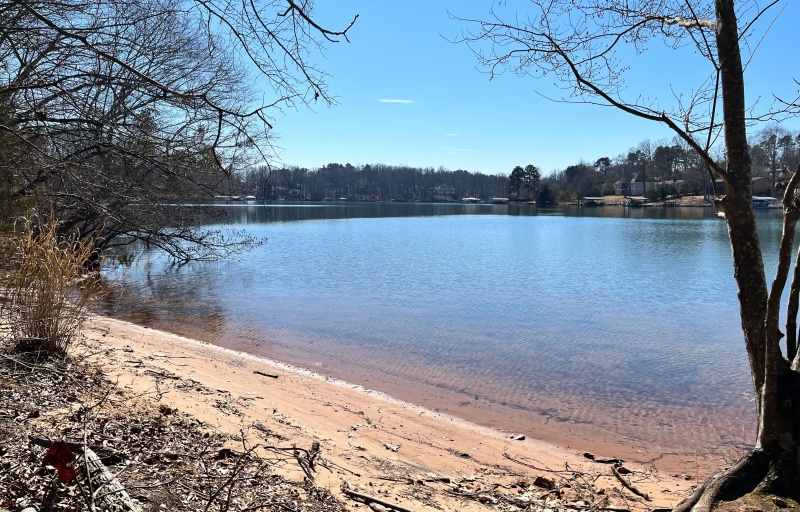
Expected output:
{"points": [[597, 327]]}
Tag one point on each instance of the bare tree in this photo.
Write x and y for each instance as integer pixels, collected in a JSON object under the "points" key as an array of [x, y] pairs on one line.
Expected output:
{"points": [[580, 42], [111, 110], [767, 150]]}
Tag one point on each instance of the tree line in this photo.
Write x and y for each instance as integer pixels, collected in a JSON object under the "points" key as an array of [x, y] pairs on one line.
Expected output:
{"points": [[375, 182], [669, 167]]}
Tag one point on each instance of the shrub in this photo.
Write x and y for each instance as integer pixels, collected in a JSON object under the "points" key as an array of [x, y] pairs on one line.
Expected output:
{"points": [[49, 291], [653, 194], [545, 196]]}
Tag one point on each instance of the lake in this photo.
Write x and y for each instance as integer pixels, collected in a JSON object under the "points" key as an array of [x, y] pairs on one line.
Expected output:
{"points": [[608, 329]]}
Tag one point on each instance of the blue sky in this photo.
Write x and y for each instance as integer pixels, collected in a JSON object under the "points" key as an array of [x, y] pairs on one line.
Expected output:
{"points": [[408, 96]]}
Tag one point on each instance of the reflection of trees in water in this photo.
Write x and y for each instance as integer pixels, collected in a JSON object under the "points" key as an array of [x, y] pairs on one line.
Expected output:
{"points": [[184, 304], [288, 212]]}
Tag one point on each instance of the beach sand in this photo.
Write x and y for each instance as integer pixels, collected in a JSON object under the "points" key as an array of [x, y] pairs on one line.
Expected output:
{"points": [[235, 392]]}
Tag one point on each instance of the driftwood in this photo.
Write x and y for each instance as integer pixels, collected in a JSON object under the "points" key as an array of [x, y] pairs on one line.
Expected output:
{"points": [[109, 489], [388, 446], [608, 461], [612, 460], [163, 375], [367, 498], [629, 485], [271, 375]]}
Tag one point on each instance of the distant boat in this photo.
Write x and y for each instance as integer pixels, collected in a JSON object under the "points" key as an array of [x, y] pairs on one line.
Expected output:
{"points": [[720, 215], [500, 200], [470, 200]]}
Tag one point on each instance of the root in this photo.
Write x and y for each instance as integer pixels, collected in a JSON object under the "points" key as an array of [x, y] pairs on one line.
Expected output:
{"points": [[728, 484]]}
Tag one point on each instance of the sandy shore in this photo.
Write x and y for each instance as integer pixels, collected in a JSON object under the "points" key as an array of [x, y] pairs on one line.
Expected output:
{"points": [[236, 392]]}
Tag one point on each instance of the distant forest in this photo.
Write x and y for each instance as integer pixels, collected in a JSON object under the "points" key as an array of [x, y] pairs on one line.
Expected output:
{"points": [[665, 168]]}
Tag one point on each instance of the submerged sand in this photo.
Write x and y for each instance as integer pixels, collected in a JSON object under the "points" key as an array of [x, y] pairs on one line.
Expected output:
{"points": [[236, 392]]}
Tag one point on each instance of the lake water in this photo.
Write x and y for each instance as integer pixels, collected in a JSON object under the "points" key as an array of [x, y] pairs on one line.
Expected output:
{"points": [[606, 329]]}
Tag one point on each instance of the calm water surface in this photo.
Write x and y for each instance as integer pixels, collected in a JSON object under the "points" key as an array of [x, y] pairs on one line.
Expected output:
{"points": [[603, 326]]}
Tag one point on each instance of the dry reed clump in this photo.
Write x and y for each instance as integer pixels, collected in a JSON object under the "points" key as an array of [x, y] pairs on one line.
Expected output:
{"points": [[49, 292]]}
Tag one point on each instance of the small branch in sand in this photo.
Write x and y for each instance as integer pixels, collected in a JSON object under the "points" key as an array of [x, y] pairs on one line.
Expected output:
{"points": [[612, 460], [628, 485], [162, 375], [367, 498], [270, 375]]}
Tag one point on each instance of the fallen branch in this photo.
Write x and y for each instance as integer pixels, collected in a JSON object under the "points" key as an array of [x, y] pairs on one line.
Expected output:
{"points": [[113, 491], [612, 460], [629, 485], [106, 453], [271, 375], [162, 375], [367, 498]]}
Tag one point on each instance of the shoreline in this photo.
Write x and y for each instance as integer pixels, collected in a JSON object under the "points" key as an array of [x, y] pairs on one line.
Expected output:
{"points": [[648, 431], [233, 391]]}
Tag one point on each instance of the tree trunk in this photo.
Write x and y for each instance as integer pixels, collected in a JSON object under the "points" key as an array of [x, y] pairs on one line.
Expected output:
{"points": [[773, 470], [774, 463]]}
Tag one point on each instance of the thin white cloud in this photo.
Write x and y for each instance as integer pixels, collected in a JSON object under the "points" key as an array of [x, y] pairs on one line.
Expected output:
{"points": [[458, 150], [452, 135], [396, 101]]}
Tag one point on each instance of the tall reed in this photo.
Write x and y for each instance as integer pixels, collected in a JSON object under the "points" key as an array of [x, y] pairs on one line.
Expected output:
{"points": [[49, 290]]}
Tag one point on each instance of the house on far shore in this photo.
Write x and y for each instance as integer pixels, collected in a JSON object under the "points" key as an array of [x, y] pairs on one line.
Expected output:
{"points": [[640, 186], [621, 187], [636, 186], [761, 186]]}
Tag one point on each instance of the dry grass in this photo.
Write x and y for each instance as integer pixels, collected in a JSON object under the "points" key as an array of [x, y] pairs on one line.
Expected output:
{"points": [[49, 291]]}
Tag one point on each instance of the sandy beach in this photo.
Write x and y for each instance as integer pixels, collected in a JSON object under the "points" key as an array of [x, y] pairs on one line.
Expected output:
{"points": [[405, 454]]}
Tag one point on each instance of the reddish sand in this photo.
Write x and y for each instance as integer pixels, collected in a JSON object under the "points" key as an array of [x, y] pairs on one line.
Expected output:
{"points": [[224, 388]]}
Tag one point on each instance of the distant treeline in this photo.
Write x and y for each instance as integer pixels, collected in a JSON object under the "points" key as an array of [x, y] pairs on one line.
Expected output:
{"points": [[370, 183], [659, 170]]}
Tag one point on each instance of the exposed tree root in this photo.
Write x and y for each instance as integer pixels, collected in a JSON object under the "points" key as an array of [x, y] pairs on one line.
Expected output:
{"points": [[757, 471]]}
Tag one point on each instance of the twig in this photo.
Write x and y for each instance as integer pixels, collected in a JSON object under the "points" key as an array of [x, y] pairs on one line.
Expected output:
{"points": [[271, 375], [367, 498], [629, 485], [163, 375]]}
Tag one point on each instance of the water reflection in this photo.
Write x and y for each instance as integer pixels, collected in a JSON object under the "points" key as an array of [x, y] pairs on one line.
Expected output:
{"points": [[248, 213]]}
